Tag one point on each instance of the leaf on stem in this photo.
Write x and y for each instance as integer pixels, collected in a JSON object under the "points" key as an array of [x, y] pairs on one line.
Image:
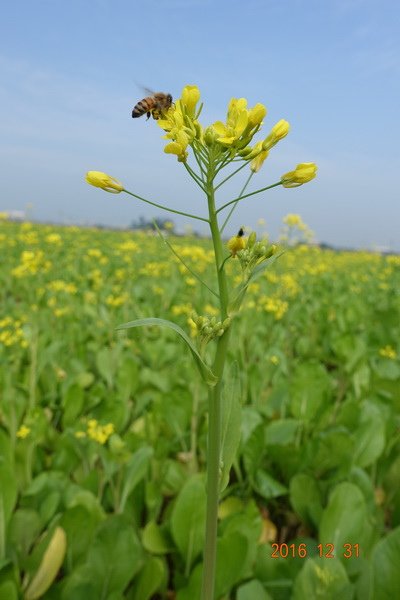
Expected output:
{"points": [[204, 370]]}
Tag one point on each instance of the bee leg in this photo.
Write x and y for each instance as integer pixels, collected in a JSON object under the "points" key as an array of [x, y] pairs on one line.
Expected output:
{"points": [[148, 116]]}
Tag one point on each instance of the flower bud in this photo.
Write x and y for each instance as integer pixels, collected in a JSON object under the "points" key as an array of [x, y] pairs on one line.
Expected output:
{"points": [[189, 98], [104, 181], [251, 240], [303, 173], [256, 114]]}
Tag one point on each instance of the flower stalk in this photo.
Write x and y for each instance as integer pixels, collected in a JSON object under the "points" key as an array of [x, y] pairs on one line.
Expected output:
{"points": [[214, 148]]}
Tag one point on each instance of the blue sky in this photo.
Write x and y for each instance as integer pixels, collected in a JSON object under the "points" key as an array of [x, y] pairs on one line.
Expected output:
{"points": [[70, 73]]}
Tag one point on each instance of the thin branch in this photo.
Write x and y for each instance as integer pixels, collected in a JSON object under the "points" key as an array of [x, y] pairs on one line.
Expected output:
{"points": [[177, 212], [235, 205], [247, 195], [166, 242]]}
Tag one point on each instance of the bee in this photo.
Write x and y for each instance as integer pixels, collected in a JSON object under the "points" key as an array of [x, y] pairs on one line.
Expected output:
{"points": [[240, 232], [154, 105]]}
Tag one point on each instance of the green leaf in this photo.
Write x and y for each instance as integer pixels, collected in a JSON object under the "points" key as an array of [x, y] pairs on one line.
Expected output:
{"points": [[105, 365], [267, 486], [205, 371], [253, 450], [8, 591], [135, 471], [154, 540], [72, 403], [252, 590], [281, 432], [305, 497], [309, 390], [8, 498], [231, 424], [323, 579], [345, 519], [24, 528], [188, 519], [231, 555], [79, 524], [385, 562], [115, 555], [369, 437], [150, 578]]}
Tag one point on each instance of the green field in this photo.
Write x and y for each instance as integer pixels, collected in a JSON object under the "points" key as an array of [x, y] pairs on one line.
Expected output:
{"points": [[103, 432]]}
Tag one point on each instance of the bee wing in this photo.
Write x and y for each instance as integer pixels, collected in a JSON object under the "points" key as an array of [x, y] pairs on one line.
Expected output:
{"points": [[147, 90]]}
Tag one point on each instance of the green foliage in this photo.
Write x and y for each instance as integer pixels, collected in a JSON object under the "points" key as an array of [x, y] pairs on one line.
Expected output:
{"points": [[114, 444]]}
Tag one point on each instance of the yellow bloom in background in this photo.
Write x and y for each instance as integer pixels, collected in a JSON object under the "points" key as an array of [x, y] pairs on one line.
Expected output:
{"points": [[104, 181], [303, 173], [388, 352], [292, 220], [23, 432]]}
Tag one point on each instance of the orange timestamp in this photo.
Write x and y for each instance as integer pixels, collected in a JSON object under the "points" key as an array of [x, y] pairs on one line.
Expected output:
{"points": [[321, 550]]}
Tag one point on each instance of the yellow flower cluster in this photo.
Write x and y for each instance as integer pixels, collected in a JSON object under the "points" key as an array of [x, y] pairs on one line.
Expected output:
{"points": [[31, 264], [117, 300], [11, 333], [58, 285], [95, 431], [54, 238], [388, 352], [23, 432], [276, 306], [241, 124], [180, 123], [128, 246]]}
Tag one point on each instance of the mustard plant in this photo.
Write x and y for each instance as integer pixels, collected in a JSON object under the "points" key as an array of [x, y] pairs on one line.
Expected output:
{"points": [[211, 156]]}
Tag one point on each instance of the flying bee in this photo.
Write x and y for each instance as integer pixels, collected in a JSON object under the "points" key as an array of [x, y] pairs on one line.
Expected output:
{"points": [[154, 105]]}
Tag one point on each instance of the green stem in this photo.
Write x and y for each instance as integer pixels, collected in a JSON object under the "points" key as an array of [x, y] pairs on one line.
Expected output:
{"points": [[231, 175], [268, 187], [234, 206], [177, 212], [214, 412], [194, 176]]}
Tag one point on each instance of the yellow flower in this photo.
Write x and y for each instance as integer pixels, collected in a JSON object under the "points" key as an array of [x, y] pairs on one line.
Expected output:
{"points": [[236, 122], [178, 149], [303, 173], [388, 352], [23, 432], [104, 181], [237, 243]]}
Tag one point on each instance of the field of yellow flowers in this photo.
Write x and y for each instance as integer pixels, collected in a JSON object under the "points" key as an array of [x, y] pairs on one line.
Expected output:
{"points": [[102, 432]]}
